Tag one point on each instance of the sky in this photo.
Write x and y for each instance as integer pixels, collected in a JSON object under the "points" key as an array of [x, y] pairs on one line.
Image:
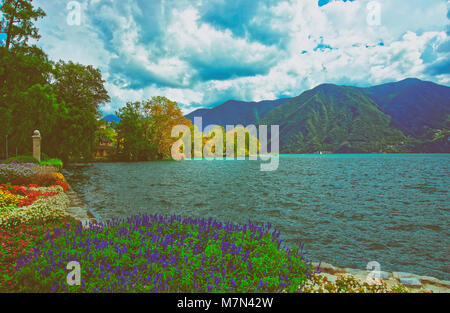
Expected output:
{"points": [[201, 53]]}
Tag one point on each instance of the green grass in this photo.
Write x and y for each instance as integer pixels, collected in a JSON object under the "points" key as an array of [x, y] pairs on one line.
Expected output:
{"points": [[21, 159], [57, 163]]}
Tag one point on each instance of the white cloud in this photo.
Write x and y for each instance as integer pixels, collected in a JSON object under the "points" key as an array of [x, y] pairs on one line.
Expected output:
{"points": [[147, 48]]}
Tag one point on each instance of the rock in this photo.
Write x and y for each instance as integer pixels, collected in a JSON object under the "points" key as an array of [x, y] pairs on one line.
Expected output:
{"points": [[434, 281], [435, 289], [384, 275], [330, 269], [354, 271], [411, 282], [391, 279], [331, 278], [399, 275]]}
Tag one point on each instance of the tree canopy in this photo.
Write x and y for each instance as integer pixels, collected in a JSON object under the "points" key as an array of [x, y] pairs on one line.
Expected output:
{"points": [[144, 132], [61, 99]]}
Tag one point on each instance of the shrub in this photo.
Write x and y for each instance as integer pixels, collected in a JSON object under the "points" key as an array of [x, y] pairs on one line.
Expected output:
{"points": [[21, 181], [153, 253], [21, 159], [56, 163], [44, 176], [44, 179]]}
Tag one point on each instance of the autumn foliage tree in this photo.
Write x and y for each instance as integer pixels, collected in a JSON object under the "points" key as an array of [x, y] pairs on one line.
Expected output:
{"points": [[144, 132], [164, 115]]}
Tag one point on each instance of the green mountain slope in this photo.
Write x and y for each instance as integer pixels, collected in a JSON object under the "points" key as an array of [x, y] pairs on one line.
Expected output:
{"points": [[415, 106], [235, 112], [336, 119]]}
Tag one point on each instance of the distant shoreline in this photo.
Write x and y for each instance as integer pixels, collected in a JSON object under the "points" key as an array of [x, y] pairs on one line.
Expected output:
{"points": [[267, 155]]}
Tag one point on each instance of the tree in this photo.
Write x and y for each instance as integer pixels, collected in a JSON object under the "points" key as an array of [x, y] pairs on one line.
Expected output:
{"points": [[37, 108], [164, 115], [21, 66], [20, 69], [81, 89], [105, 133], [61, 100], [17, 22], [132, 139]]}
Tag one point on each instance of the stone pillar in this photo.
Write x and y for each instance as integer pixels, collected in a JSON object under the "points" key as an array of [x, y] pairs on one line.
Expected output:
{"points": [[37, 145]]}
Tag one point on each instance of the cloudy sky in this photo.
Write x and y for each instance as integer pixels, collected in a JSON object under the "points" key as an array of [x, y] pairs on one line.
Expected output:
{"points": [[201, 53]]}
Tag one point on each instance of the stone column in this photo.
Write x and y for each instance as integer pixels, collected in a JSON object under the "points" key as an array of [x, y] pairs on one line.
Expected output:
{"points": [[37, 145]]}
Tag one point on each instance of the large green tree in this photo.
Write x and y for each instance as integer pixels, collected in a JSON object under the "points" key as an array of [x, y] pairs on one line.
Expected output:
{"points": [[17, 22], [133, 142], [81, 89], [21, 66], [37, 108], [60, 99]]}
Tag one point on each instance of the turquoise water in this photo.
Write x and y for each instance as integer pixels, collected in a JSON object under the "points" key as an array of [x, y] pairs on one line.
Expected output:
{"points": [[347, 209]]}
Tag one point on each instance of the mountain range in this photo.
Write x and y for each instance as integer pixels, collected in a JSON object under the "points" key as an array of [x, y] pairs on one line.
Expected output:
{"points": [[406, 116], [112, 118], [236, 112]]}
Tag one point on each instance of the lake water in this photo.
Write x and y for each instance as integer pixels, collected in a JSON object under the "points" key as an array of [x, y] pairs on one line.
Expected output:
{"points": [[346, 209]]}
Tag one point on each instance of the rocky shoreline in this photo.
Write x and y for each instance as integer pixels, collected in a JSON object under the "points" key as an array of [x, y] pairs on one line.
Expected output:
{"points": [[78, 210], [415, 283]]}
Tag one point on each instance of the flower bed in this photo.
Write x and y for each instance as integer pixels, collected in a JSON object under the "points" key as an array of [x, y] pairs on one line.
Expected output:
{"points": [[7, 200], [50, 206], [26, 195], [166, 254], [21, 185], [16, 171], [143, 253], [29, 173], [19, 240], [28, 213]]}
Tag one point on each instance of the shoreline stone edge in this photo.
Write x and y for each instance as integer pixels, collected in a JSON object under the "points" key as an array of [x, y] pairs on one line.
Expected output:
{"points": [[415, 283]]}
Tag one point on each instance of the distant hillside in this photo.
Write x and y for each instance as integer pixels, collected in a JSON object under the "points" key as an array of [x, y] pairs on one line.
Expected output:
{"points": [[333, 118], [406, 116], [236, 112], [414, 105], [111, 118]]}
